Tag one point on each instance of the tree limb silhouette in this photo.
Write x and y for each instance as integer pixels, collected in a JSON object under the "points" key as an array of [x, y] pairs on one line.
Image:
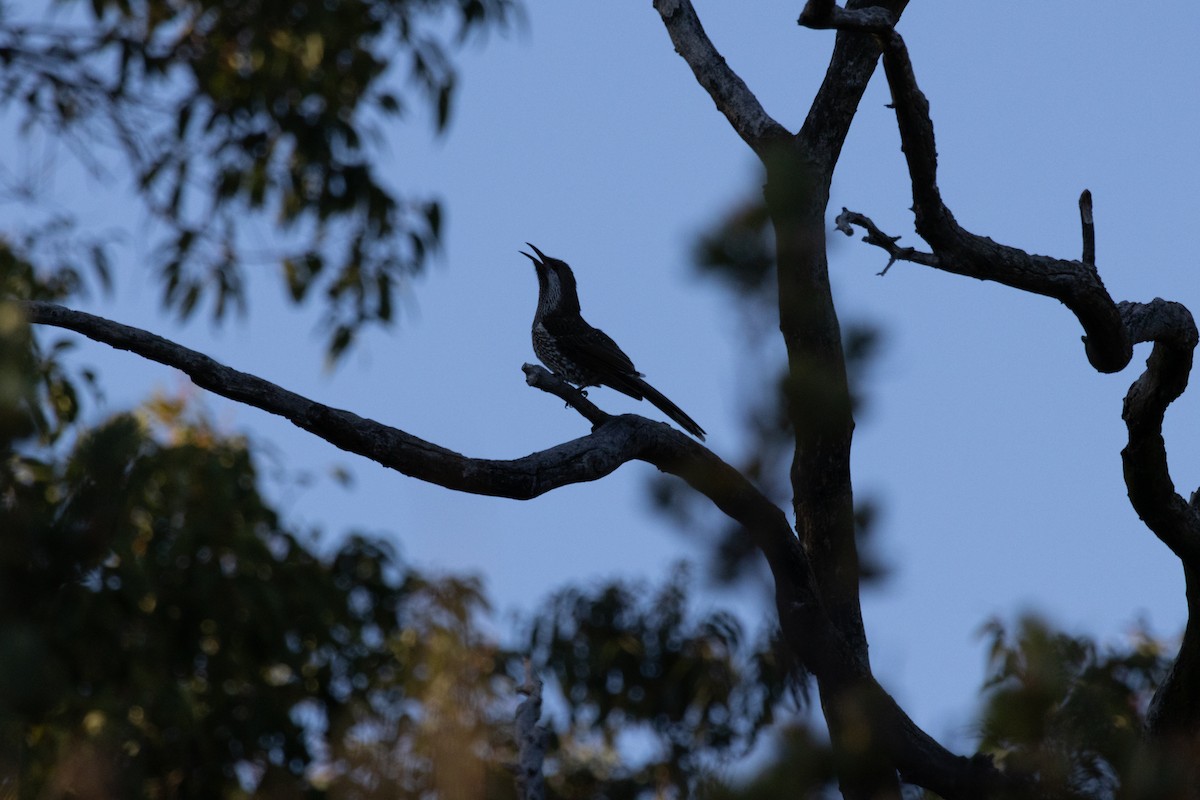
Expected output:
{"points": [[616, 441], [1111, 329]]}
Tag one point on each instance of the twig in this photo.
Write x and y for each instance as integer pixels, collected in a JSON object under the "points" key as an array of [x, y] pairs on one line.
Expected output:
{"points": [[541, 378], [847, 219], [1089, 228]]}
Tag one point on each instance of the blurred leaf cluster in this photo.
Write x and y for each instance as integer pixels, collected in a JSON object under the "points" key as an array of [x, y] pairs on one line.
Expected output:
{"points": [[265, 111], [739, 252], [162, 634], [1072, 713], [800, 765], [39, 391], [654, 697]]}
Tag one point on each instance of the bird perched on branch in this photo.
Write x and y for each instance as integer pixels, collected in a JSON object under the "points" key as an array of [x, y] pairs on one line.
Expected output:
{"points": [[581, 354]]}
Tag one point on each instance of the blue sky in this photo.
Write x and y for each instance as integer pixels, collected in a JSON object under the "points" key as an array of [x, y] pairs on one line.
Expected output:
{"points": [[989, 443]]}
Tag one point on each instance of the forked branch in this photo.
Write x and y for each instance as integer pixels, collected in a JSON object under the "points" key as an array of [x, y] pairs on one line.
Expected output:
{"points": [[845, 223], [733, 98], [1076, 284], [617, 440], [1112, 329]]}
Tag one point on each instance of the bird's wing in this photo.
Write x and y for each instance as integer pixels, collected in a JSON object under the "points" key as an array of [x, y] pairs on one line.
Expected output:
{"points": [[600, 356], [598, 350], [597, 354]]}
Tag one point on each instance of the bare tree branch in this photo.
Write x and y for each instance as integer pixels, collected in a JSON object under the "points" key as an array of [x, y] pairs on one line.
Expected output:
{"points": [[580, 460], [850, 68], [617, 440], [847, 219], [728, 91], [799, 170], [1151, 491], [541, 378], [1076, 284], [818, 397], [1089, 228]]}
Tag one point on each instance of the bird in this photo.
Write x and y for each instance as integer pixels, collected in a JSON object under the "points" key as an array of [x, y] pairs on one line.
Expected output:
{"points": [[581, 354]]}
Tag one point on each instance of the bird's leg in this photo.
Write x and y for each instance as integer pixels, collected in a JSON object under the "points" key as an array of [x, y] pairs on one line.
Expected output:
{"points": [[581, 388]]}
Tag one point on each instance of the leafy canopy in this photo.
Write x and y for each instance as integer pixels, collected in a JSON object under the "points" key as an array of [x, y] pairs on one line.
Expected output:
{"points": [[250, 121]]}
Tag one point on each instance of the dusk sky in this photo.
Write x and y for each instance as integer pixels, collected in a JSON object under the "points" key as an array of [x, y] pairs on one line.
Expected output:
{"points": [[988, 442]]}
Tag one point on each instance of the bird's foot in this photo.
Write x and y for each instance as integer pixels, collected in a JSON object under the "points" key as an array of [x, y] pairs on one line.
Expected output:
{"points": [[582, 392]]}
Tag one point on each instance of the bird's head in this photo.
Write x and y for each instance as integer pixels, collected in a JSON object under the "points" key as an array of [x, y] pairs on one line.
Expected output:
{"points": [[556, 283]]}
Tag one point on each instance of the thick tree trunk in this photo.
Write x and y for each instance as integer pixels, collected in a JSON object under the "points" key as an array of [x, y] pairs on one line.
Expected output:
{"points": [[817, 394]]}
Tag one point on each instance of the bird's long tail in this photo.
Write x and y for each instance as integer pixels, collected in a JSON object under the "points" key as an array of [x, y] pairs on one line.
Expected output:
{"points": [[667, 407]]}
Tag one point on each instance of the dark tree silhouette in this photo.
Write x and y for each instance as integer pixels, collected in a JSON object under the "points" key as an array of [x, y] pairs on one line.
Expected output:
{"points": [[815, 568]]}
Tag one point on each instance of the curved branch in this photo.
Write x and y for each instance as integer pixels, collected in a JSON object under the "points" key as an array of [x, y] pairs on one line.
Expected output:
{"points": [[1076, 284], [1151, 491], [733, 98], [577, 461], [615, 441], [1113, 328], [1175, 709]]}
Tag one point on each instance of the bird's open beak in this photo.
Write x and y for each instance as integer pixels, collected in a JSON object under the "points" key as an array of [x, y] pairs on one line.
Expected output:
{"points": [[537, 261]]}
